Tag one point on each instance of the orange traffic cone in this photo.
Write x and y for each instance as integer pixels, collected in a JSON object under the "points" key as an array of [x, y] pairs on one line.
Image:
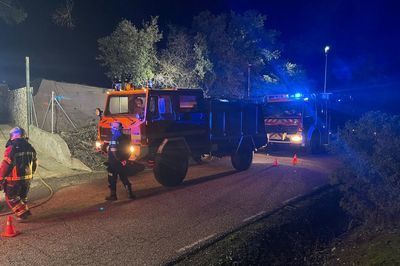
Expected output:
{"points": [[10, 229], [275, 163], [294, 161]]}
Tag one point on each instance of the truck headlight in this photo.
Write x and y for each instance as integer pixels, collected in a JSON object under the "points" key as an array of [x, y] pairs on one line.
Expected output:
{"points": [[132, 149], [298, 138], [98, 144]]}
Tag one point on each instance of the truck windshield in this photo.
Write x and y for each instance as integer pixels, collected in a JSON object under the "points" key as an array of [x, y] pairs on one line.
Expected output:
{"points": [[283, 109], [126, 105]]}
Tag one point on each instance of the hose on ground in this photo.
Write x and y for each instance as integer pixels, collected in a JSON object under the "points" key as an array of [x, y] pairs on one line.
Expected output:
{"points": [[51, 194]]}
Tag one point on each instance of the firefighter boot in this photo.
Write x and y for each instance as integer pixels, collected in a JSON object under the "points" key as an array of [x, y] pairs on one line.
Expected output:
{"points": [[112, 197], [130, 193], [113, 194], [112, 185]]}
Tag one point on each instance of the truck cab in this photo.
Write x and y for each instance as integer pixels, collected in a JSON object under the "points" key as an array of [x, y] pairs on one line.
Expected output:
{"points": [[148, 116]]}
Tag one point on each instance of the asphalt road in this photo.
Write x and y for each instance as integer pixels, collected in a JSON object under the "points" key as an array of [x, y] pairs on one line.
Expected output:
{"points": [[77, 227]]}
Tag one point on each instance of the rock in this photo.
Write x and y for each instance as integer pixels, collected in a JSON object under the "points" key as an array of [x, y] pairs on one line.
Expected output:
{"points": [[81, 143]]}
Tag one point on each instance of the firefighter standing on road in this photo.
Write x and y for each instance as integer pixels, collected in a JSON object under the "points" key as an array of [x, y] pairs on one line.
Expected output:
{"points": [[118, 154], [16, 172]]}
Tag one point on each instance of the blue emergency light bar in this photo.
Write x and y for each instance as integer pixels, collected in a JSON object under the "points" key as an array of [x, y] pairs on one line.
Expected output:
{"points": [[284, 97]]}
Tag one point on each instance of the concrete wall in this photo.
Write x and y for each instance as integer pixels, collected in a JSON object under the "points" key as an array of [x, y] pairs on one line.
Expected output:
{"points": [[78, 101], [54, 146]]}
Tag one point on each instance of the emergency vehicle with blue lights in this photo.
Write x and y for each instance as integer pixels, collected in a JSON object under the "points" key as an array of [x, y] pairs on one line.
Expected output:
{"points": [[166, 127], [297, 120]]}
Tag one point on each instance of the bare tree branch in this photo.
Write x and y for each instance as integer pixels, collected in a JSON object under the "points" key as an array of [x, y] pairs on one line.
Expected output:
{"points": [[62, 16]]}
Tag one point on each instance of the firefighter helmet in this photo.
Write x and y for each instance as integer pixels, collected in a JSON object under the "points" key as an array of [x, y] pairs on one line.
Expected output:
{"points": [[16, 133], [116, 125]]}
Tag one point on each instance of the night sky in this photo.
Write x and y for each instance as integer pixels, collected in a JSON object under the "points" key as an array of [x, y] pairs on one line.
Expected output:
{"points": [[363, 35]]}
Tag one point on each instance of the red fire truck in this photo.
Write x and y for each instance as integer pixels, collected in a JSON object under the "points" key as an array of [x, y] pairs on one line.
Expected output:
{"points": [[297, 120]]}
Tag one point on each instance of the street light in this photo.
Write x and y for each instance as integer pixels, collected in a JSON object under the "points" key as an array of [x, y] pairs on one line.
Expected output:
{"points": [[326, 64], [248, 80], [327, 126]]}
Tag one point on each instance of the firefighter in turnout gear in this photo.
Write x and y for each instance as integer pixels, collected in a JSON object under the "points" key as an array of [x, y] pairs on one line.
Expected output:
{"points": [[118, 154], [16, 172]]}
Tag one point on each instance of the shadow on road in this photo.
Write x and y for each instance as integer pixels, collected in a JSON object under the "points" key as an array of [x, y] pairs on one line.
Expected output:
{"points": [[73, 214]]}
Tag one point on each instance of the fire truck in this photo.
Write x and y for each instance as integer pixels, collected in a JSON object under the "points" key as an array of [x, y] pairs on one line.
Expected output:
{"points": [[167, 127], [297, 120]]}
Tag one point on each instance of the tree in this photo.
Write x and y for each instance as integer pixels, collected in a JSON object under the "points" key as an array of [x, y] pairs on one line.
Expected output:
{"points": [[370, 175], [131, 51], [239, 45], [12, 12], [184, 62], [62, 16], [235, 42]]}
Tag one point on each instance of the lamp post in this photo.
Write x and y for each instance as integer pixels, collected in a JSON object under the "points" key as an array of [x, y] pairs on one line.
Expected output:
{"points": [[327, 127], [326, 65], [28, 96], [248, 80]]}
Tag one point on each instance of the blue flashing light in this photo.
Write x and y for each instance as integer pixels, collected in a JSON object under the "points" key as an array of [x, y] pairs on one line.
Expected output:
{"points": [[297, 95], [306, 99]]}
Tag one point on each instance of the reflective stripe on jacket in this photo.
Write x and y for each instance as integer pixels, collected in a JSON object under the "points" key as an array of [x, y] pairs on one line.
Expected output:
{"points": [[19, 161]]}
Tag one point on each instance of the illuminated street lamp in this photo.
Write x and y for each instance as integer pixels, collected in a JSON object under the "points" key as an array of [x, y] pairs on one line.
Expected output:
{"points": [[326, 64], [326, 126]]}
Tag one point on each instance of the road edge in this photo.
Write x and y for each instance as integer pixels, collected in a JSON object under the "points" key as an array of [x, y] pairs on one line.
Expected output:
{"points": [[217, 237]]}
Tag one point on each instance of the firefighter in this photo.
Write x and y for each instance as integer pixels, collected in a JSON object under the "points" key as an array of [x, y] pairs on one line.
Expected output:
{"points": [[16, 172], [118, 154]]}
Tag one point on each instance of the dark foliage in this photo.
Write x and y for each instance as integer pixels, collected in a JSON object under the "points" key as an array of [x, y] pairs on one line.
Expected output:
{"points": [[370, 178]]}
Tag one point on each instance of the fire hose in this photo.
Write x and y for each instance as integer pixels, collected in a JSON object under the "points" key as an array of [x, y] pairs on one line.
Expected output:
{"points": [[51, 194]]}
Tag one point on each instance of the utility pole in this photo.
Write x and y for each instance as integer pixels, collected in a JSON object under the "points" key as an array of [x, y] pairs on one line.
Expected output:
{"points": [[326, 65], [327, 126], [28, 96], [248, 80]]}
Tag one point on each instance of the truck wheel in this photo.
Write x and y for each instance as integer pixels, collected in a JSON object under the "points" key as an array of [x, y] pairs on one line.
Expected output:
{"points": [[198, 159], [171, 166], [242, 159]]}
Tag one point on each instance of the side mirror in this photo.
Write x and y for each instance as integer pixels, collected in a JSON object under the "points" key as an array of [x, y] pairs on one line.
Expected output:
{"points": [[99, 112]]}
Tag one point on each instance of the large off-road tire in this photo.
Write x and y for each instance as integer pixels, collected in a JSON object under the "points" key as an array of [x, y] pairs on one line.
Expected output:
{"points": [[198, 158], [242, 159], [171, 165]]}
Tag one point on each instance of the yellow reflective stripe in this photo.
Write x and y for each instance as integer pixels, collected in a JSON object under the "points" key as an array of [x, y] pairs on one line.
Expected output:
{"points": [[16, 178], [17, 206], [19, 154], [20, 212]]}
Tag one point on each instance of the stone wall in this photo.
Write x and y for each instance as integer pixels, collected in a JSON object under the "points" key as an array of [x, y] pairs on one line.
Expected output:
{"points": [[17, 107], [4, 104]]}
